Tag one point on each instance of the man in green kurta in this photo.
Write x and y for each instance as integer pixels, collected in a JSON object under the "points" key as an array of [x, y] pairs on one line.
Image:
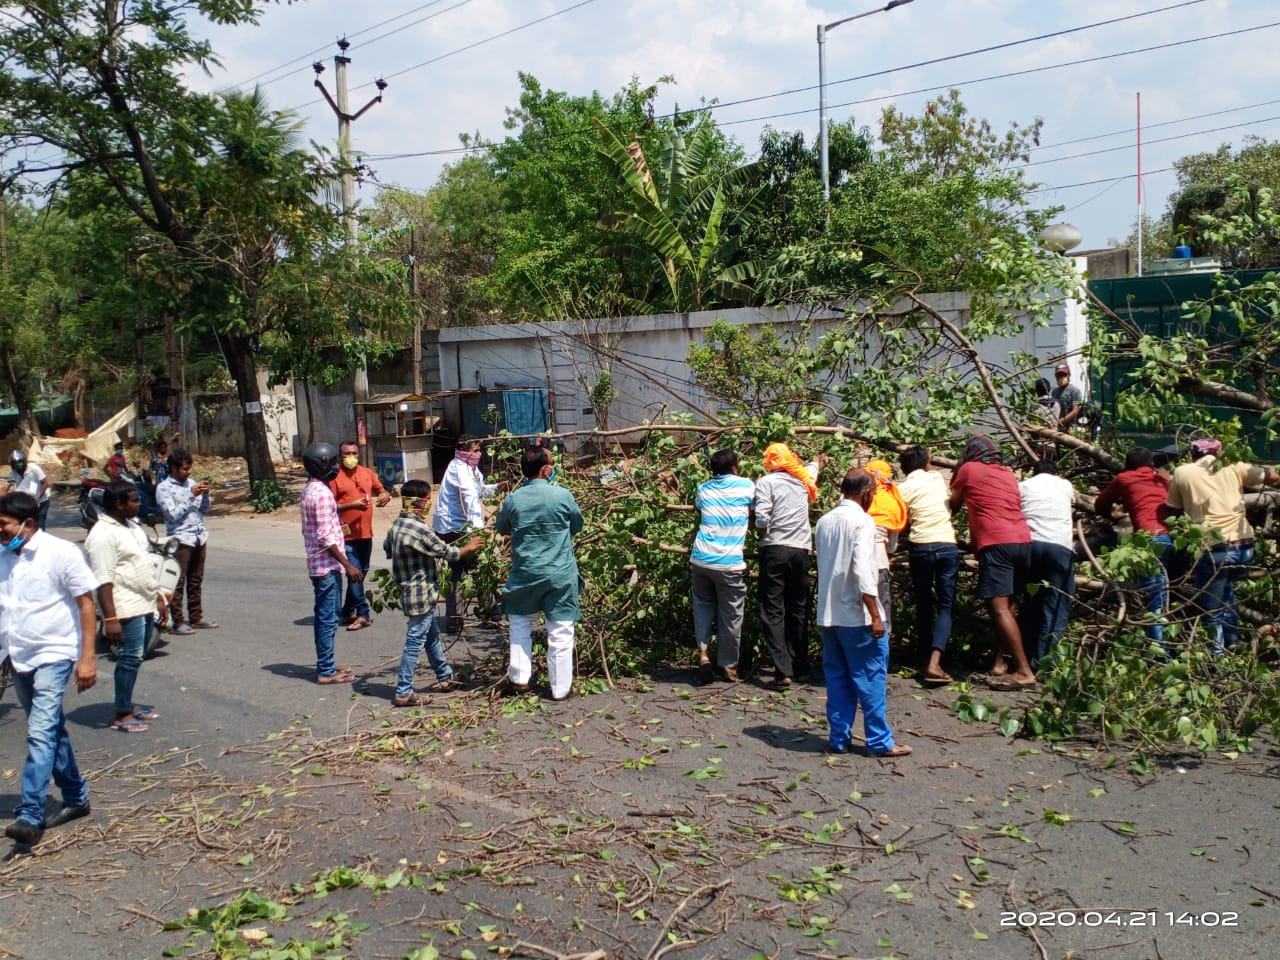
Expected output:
{"points": [[541, 520]]}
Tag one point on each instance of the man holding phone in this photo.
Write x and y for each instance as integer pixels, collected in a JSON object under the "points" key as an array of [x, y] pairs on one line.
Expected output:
{"points": [[184, 504]]}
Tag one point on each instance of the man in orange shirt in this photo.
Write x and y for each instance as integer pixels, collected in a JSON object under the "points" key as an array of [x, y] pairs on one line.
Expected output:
{"points": [[355, 488]]}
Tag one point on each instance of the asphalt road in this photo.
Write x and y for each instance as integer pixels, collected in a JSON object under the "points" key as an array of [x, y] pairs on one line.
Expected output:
{"points": [[622, 821]]}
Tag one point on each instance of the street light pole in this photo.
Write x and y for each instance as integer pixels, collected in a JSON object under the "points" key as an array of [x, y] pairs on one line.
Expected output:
{"points": [[822, 86]]}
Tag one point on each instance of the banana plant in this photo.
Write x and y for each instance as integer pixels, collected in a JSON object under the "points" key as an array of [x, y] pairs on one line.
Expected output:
{"points": [[678, 217]]}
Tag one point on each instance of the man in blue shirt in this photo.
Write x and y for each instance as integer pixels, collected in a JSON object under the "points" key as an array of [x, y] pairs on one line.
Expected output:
{"points": [[541, 520], [717, 566]]}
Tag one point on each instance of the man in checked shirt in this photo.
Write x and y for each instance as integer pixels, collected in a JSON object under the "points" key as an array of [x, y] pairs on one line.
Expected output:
{"points": [[414, 550]]}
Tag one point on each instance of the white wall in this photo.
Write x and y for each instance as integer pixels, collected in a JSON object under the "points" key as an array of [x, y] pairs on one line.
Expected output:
{"points": [[645, 355]]}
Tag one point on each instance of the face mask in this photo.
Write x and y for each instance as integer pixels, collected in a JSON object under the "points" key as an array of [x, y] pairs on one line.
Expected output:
{"points": [[419, 508], [551, 477], [350, 462], [16, 542], [470, 457]]}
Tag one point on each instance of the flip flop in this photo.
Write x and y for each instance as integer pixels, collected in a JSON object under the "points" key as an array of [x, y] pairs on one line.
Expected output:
{"points": [[936, 681], [129, 725], [338, 676], [359, 623], [205, 625], [1008, 684], [145, 713], [412, 700], [897, 750], [183, 630]]}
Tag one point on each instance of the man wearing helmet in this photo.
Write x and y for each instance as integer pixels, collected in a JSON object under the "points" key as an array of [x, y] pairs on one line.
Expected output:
{"points": [[29, 478], [326, 557]]}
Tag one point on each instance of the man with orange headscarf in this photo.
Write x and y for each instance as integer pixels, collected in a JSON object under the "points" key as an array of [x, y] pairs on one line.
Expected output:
{"points": [[890, 516], [781, 508]]}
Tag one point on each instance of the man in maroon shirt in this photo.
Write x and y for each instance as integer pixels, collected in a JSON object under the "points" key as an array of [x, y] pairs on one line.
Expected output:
{"points": [[1142, 491], [1002, 542]]}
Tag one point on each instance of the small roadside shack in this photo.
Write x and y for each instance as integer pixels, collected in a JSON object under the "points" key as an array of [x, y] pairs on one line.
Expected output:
{"points": [[398, 431]]}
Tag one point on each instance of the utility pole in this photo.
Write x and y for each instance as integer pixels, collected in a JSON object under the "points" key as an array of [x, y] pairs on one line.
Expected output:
{"points": [[417, 310], [360, 388]]}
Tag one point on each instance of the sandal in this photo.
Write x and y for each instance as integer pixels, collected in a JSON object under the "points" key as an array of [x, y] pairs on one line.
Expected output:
{"points": [[936, 681], [412, 700], [897, 750], [446, 686], [183, 630], [359, 623], [205, 625], [129, 725], [144, 713], [341, 675], [1006, 683]]}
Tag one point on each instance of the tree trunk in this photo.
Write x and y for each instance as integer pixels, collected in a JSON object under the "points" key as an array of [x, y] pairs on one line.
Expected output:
{"points": [[238, 351]]}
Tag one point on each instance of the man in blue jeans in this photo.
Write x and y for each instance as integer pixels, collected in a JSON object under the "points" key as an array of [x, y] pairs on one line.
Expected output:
{"points": [[415, 552], [129, 594], [855, 645], [47, 624], [326, 557], [1215, 498], [934, 558]]}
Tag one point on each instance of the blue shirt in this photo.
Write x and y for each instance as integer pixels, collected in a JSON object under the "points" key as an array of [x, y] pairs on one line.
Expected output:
{"points": [[725, 502], [183, 512]]}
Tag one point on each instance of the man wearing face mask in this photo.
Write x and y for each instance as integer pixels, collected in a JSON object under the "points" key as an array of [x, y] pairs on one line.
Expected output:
{"points": [[459, 506], [326, 557], [541, 520], [47, 626], [355, 488]]}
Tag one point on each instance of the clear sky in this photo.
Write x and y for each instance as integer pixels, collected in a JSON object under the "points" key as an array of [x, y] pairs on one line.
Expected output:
{"points": [[450, 70]]}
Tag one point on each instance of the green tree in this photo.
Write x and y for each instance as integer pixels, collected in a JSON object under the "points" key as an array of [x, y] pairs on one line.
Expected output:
{"points": [[1221, 202], [219, 179]]}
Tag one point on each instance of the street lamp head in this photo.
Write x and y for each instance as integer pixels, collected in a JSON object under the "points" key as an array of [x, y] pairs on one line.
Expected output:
{"points": [[896, 3]]}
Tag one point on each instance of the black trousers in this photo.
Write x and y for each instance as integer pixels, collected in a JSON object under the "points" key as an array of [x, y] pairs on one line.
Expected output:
{"points": [[784, 608]]}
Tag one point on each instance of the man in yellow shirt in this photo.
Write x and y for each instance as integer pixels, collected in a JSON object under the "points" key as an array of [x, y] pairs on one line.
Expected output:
{"points": [[1215, 499]]}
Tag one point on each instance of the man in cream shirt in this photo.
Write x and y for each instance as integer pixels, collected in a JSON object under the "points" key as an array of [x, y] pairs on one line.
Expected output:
{"points": [[934, 558]]}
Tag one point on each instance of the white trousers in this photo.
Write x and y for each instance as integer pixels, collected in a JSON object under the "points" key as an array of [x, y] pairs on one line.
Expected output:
{"points": [[559, 652]]}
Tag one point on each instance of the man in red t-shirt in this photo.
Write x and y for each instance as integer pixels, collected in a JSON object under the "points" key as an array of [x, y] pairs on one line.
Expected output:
{"points": [[355, 488], [1002, 543]]}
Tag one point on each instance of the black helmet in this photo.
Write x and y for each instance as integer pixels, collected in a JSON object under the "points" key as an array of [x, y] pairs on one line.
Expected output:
{"points": [[321, 461]]}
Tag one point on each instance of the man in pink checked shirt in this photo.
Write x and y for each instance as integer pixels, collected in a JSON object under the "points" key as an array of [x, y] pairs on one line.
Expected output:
{"points": [[326, 557]]}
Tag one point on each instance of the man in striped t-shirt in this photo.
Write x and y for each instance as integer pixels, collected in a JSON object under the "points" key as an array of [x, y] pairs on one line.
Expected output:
{"points": [[719, 572]]}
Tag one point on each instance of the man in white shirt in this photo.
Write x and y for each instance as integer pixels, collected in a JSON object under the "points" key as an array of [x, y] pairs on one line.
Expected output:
{"points": [[1046, 503], [29, 478], [459, 507], [855, 645], [128, 594], [47, 626]]}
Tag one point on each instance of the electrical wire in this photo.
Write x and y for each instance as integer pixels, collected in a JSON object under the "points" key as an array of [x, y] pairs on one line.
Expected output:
{"points": [[1129, 146], [480, 148], [307, 57], [1092, 183]]}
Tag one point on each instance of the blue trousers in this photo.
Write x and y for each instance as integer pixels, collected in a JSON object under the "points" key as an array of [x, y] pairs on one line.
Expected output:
{"points": [[934, 567], [324, 625], [856, 666], [422, 631], [1042, 619], [1214, 576], [48, 746], [359, 553], [133, 642]]}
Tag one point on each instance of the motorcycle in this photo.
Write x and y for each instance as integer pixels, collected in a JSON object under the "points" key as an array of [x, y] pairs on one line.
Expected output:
{"points": [[90, 499]]}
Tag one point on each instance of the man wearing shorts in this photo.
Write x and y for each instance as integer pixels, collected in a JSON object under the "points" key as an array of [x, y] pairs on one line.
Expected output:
{"points": [[1002, 543]]}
